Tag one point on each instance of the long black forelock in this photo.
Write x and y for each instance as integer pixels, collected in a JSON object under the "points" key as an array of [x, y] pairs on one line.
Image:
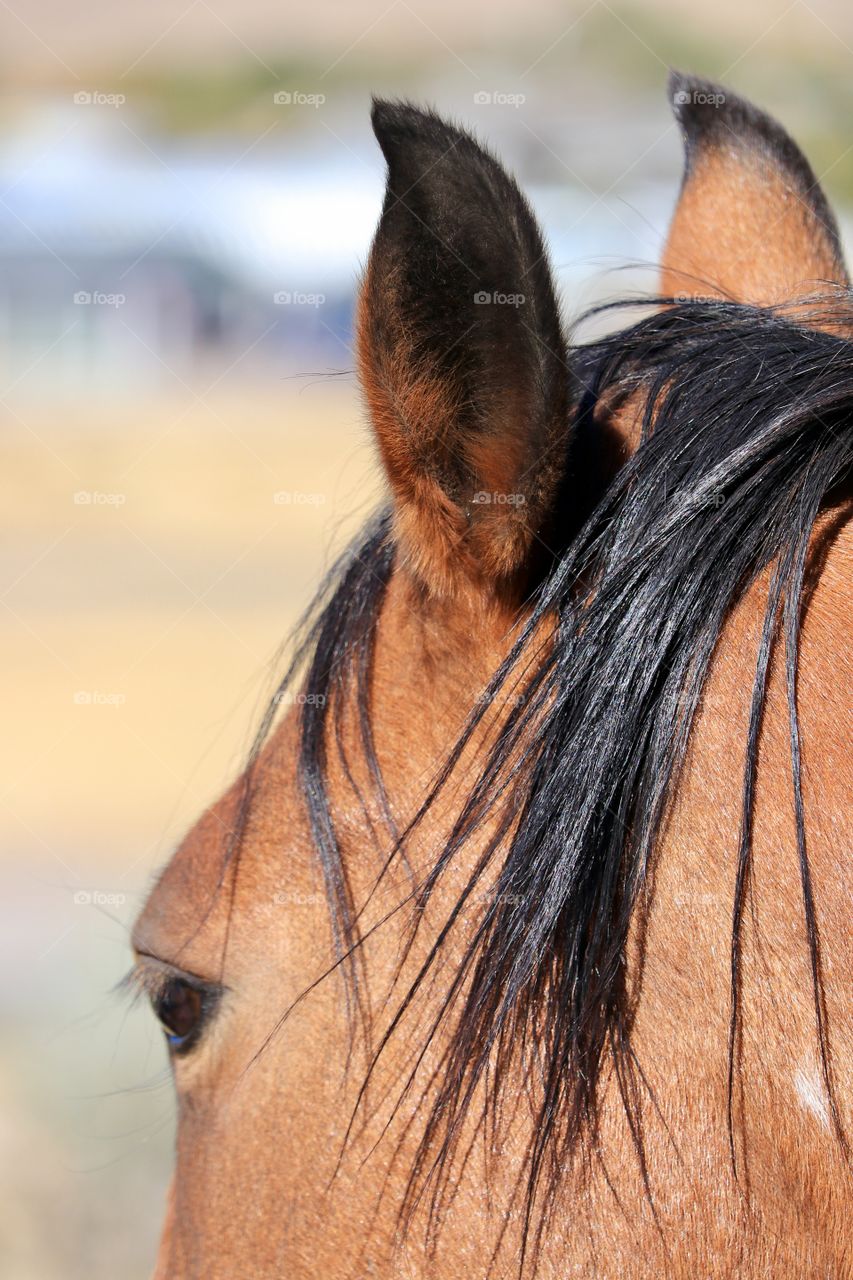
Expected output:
{"points": [[747, 432]]}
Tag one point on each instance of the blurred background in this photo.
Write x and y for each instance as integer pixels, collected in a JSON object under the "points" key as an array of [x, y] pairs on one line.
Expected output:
{"points": [[187, 193]]}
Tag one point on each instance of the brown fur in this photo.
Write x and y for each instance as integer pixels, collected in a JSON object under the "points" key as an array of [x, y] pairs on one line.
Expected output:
{"points": [[745, 230], [257, 1192], [264, 1135], [449, 542]]}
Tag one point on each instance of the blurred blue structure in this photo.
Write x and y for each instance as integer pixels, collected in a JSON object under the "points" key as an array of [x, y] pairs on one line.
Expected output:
{"points": [[128, 262]]}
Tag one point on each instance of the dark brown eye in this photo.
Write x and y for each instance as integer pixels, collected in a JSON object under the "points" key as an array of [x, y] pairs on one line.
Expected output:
{"points": [[180, 1007], [183, 1002]]}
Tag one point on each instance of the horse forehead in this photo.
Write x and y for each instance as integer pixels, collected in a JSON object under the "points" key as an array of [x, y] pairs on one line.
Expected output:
{"points": [[184, 912], [193, 903]]}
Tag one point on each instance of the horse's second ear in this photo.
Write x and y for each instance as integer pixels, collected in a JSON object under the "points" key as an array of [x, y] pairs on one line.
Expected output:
{"points": [[752, 223], [462, 360]]}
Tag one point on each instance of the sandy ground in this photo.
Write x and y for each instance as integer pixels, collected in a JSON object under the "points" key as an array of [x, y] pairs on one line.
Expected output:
{"points": [[140, 637]]}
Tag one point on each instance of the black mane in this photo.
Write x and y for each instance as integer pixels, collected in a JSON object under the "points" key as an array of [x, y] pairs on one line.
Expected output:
{"points": [[748, 433]]}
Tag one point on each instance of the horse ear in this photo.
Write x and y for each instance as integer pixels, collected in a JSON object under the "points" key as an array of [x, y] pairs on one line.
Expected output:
{"points": [[462, 359], [752, 223]]}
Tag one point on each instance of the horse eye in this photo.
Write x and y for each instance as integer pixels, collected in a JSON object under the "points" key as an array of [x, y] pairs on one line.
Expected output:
{"points": [[180, 1008]]}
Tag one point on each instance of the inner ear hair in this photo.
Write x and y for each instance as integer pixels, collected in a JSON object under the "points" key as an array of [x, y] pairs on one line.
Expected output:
{"points": [[462, 360]]}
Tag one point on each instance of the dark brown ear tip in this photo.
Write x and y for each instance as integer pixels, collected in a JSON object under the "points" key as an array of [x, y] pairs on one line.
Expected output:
{"points": [[392, 122], [398, 124], [680, 87], [713, 118], [706, 110], [426, 153], [710, 113], [391, 116]]}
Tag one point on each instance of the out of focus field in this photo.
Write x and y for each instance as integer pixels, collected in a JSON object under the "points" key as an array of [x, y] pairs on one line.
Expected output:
{"points": [[187, 193], [141, 635], [156, 562]]}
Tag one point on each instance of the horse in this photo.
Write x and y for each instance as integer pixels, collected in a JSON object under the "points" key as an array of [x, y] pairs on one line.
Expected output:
{"points": [[522, 944]]}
